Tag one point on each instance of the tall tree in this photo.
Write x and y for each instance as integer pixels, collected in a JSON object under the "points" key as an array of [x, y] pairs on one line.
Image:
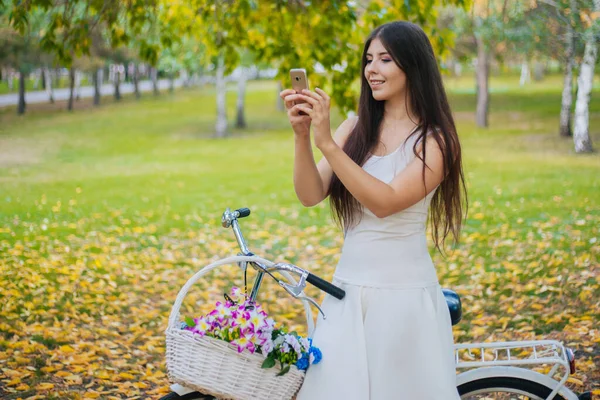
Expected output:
{"points": [[488, 22], [20, 50], [569, 63], [581, 134]]}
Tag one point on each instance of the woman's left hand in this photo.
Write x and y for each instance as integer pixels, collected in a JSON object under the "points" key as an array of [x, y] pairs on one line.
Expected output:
{"points": [[319, 114]]}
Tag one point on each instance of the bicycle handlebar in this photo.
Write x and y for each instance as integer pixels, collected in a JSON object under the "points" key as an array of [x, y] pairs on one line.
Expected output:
{"points": [[326, 286], [229, 219]]}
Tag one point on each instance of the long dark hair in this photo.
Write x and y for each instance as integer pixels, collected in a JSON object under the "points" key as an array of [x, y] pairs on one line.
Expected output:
{"points": [[411, 50]]}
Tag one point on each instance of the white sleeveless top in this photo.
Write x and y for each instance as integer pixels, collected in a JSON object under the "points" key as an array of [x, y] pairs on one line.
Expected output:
{"points": [[389, 252]]}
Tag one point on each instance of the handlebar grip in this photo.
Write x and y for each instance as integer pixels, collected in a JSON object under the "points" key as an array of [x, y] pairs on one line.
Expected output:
{"points": [[326, 286], [244, 212]]}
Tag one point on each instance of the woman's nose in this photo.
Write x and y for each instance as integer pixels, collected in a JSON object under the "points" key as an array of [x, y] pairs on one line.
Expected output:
{"points": [[371, 67]]}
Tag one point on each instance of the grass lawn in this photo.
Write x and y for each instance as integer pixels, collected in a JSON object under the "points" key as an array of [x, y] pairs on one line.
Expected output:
{"points": [[106, 212]]}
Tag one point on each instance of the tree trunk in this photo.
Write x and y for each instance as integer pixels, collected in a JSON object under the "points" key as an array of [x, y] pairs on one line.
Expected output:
{"points": [[280, 105], [525, 73], [538, 71], [154, 76], [97, 85], [241, 119], [71, 88], [37, 75], [10, 81], [48, 84], [77, 85], [581, 134], [21, 105], [483, 95], [567, 93], [117, 84], [185, 78], [221, 125], [171, 82], [136, 81]]}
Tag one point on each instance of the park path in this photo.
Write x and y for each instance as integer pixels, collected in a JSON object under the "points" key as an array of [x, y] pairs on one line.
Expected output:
{"points": [[107, 89]]}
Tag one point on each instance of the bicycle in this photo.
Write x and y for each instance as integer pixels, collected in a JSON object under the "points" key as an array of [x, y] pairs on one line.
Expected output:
{"points": [[492, 370]]}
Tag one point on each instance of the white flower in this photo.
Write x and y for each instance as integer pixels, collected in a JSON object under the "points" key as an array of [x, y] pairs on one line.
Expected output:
{"points": [[293, 342], [279, 340], [267, 348], [305, 344], [270, 323]]}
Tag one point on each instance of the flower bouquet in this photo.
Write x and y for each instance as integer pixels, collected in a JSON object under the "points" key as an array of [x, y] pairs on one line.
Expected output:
{"points": [[236, 352]]}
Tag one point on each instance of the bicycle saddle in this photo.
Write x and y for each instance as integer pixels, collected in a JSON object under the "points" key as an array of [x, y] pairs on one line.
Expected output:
{"points": [[454, 305]]}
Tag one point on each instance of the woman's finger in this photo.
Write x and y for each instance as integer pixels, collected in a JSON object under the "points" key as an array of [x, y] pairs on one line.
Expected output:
{"points": [[314, 95], [304, 108], [286, 92], [322, 94], [306, 99]]}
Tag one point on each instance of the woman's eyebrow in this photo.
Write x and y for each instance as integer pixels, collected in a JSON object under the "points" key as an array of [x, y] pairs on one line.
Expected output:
{"points": [[380, 54]]}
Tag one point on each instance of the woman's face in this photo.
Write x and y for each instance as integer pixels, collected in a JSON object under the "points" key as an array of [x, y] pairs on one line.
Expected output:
{"points": [[386, 79]]}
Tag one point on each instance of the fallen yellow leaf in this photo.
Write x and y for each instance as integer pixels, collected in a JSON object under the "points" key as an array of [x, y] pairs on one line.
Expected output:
{"points": [[575, 381], [126, 375], [45, 386]]}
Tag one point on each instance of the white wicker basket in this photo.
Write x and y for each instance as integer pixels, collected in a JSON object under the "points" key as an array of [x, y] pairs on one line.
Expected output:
{"points": [[215, 367]]}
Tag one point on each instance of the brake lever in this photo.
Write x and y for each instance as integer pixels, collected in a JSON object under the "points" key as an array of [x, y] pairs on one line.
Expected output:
{"points": [[290, 289]]}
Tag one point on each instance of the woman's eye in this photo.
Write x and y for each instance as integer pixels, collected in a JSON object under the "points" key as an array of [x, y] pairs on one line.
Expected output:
{"points": [[369, 61], [386, 60]]}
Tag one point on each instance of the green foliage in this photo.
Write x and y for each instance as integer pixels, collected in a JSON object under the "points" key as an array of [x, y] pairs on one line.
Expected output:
{"points": [[71, 24], [301, 34], [286, 34]]}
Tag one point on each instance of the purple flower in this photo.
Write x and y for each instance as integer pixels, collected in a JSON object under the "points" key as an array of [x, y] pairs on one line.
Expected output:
{"points": [[236, 293], [202, 327]]}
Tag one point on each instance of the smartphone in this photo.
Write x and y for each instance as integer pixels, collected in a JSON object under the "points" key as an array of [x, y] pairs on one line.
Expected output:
{"points": [[298, 77], [299, 81]]}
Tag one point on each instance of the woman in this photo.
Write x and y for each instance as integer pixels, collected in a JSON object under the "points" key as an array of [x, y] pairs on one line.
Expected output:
{"points": [[391, 337]]}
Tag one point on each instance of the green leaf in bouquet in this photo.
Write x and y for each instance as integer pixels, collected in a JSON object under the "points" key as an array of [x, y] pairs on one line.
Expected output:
{"points": [[268, 363], [284, 371], [190, 322], [275, 333]]}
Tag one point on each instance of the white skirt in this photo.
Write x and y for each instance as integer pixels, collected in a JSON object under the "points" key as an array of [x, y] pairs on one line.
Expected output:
{"points": [[383, 344]]}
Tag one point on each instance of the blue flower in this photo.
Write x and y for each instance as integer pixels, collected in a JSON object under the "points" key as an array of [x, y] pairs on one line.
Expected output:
{"points": [[302, 364], [316, 353]]}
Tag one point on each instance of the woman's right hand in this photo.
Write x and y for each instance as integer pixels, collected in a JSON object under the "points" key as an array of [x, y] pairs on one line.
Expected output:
{"points": [[300, 122]]}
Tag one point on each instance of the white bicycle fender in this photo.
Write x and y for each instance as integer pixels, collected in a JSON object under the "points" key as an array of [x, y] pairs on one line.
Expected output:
{"points": [[181, 390], [514, 372]]}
